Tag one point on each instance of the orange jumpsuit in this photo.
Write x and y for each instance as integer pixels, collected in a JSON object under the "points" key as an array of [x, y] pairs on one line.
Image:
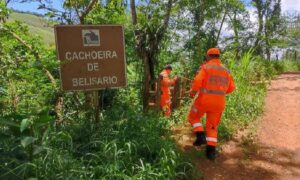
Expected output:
{"points": [[165, 102], [212, 83]]}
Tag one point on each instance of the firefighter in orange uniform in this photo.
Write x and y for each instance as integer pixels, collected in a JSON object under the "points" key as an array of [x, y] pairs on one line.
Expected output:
{"points": [[211, 84], [166, 82]]}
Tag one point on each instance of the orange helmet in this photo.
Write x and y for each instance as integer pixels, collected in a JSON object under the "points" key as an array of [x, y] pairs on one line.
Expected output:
{"points": [[213, 51]]}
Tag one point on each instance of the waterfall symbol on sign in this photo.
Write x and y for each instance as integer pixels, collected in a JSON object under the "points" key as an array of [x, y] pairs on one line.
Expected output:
{"points": [[91, 37]]}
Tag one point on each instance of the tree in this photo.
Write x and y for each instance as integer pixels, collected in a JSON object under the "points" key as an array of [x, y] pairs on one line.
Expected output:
{"points": [[4, 12], [81, 7], [150, 23], [273, 25], [260, 14], [291, 42], [201, 25], [269, 24], [6, 2], [74, 11], [237, 22], [206, 15]]}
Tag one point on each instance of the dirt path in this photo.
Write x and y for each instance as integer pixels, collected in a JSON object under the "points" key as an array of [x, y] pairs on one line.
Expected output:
{"points": [[273, 152]]}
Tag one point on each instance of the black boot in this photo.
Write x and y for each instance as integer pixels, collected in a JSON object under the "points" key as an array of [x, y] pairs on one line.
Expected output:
{"points": [[211, 152], [201, 139]]}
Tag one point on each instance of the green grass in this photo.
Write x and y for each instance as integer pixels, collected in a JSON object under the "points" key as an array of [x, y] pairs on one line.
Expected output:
{"points": [[37, 25]]}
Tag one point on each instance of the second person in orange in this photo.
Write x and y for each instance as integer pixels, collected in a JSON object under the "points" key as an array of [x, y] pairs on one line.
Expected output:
{"points": [[166, 83]]}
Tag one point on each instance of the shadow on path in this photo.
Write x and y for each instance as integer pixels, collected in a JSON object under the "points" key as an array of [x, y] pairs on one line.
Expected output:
{"points": [[240, 158]]}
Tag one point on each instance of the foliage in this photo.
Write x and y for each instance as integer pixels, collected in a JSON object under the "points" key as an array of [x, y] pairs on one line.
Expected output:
{"points": [[128, 147], [270, 25], [4, 12], [290, 42], [126, 144], [26, 109], [251, 75]]}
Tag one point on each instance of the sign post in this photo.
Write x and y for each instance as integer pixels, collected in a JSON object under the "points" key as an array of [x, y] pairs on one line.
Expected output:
{"points": [[92, 57]]}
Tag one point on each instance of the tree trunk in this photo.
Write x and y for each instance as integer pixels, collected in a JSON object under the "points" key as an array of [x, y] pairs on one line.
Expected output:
{"points": [[59, 108], [147, 46], [199, 19], [176, 94], [87, 11], [268, 52], [257, 44], [268, 45], [219, 32], [147, 78], [14, 96], [236, 36]]}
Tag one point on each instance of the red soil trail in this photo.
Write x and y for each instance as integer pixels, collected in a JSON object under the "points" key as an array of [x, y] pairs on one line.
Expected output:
{"points": [[271, 152]]}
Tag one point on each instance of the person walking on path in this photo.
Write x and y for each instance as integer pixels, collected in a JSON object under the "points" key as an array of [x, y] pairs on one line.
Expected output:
{"points": [[211, 84]]}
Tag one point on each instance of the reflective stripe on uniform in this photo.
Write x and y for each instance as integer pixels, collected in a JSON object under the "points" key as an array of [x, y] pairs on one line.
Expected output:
{"points": [[211, 139], [218, 80], [197, 125], [209, 91], [217, 68]]}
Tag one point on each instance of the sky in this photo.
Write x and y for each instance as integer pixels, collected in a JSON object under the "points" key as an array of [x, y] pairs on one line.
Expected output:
{"points": [[33, 6], [287, 5], [290, 5]]}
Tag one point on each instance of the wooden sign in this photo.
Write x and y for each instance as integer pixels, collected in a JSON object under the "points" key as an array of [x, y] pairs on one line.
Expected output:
{"points": [[92, 57]]}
